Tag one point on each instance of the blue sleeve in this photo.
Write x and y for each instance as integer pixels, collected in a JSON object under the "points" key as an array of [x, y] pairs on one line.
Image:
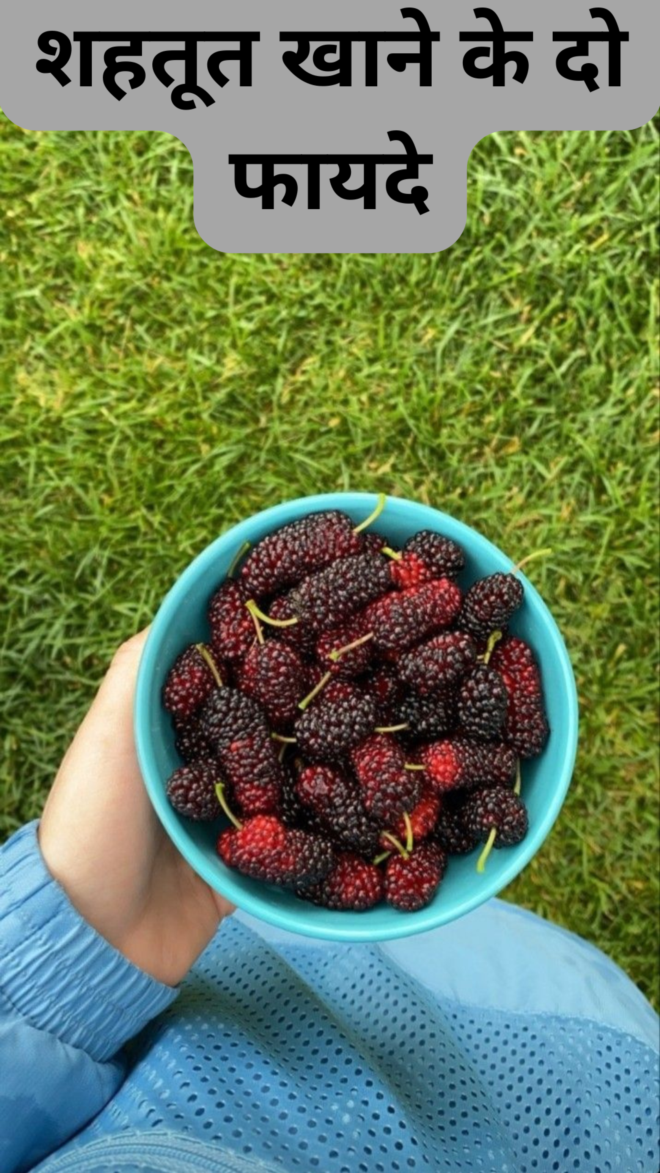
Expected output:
{"points": [[68, 1003]]}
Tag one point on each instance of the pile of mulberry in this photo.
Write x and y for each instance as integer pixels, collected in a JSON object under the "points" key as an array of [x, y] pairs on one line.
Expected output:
{"points": [[355, 717]]}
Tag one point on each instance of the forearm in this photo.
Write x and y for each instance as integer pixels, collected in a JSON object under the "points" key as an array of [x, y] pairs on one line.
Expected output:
{"points": [[68, 1003]]}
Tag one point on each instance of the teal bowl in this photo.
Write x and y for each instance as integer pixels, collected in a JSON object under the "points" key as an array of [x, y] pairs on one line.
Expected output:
{"points": [[181, 620]]}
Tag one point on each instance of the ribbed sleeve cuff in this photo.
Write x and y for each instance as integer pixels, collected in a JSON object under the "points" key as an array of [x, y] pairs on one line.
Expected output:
{"points": [[56, 971]]}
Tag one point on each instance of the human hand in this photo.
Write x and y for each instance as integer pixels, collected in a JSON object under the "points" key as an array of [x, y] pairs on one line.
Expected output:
{"points": [[102, 841]]}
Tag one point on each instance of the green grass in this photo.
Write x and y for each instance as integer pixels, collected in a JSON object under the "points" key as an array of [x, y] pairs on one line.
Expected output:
{"points": [[153, 392]]}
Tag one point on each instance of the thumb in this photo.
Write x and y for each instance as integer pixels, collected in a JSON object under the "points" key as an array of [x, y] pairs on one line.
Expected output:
{"points": [[106, 734], [98, 792]]}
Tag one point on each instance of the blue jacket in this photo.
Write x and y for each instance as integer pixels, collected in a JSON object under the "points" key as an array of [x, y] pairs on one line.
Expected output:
{"points": [[498, 1043]]}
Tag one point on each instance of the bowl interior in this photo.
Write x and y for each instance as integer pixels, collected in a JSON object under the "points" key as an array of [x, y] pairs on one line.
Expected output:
{"points": [[181, 620]]}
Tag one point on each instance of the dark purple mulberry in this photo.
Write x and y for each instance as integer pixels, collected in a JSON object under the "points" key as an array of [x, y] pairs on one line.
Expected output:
{"points": [[403, 618], [498, 808], [191, 791], [332, 596], [338, 720], [427, 717], [236, 729], [297, 550], [482, 703], [190, 680], [274, 675], [451, 832], [229, 716], [439, 663], [336, 803], [490, 603], [191, 744]]}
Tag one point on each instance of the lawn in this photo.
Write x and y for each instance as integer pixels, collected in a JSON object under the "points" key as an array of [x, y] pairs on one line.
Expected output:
{"points": [[153, 392]]}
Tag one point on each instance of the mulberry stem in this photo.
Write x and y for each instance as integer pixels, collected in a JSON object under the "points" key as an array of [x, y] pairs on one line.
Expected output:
{"points": [[481, 862], [396, 843], [222, 799], [493, 639], [304, 704], [381, 503], [337, 653], [257, 626], [210, 663], [237, 557], [536, 554], [255, 610]]}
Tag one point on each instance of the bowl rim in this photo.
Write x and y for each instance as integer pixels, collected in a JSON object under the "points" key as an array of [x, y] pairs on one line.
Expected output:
{"points": [[223, 882]]}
